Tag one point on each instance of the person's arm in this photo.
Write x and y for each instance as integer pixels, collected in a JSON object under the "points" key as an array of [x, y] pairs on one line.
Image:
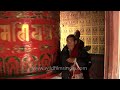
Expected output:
{"points": [[64, 57], [82, 59]]}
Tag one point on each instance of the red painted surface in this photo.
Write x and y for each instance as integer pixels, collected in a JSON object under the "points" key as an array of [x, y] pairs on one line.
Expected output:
{"points": [[28, 40]]}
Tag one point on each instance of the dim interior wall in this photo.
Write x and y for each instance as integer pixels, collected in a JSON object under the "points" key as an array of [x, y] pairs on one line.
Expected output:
{"points": [[89, 23]]}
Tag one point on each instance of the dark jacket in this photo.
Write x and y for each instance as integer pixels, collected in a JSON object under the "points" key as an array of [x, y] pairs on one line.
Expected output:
{"points": [[81, 44], [83, 59]]}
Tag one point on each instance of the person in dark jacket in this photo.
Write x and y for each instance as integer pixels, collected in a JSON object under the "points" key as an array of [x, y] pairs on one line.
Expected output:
{"points": [[70, 54], [77, 36], [81, 47]]}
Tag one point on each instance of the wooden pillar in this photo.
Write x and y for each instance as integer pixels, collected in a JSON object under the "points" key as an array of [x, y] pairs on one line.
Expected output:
{"points": [[111, 45]]}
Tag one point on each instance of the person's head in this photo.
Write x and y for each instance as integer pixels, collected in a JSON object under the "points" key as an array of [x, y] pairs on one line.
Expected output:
{"points": [[77, 34], [71, 41]]}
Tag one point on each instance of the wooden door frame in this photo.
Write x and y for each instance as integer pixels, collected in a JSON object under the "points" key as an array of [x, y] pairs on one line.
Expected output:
{"points": [[108, 26], [112, 41]]}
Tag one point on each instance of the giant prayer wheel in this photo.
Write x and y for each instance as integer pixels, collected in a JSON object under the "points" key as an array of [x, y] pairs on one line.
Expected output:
{"points": [[28, 40]]}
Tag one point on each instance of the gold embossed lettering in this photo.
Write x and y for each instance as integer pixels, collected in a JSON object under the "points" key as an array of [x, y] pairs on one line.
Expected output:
{"points": [[48, 32], [23, 35], [5, 35], [37, 34]]}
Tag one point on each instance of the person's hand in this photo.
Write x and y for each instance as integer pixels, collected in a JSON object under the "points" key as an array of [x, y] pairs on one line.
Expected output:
{"points": [[71, 60]]}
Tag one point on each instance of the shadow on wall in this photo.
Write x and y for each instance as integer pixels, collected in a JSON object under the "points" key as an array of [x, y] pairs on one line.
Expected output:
{"points": [[97, 68]]}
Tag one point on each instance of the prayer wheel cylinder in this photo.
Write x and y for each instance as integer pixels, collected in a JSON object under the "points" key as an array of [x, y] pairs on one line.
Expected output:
{"points": [[29, 42]]}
